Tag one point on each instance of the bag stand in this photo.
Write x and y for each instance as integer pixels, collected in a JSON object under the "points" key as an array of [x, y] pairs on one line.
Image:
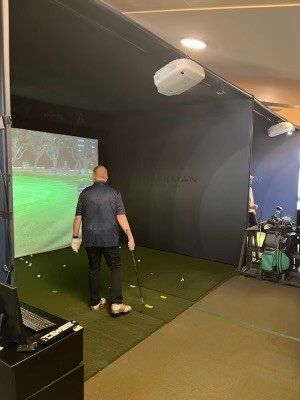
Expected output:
{"points": [[250, 260], [249, 246]]}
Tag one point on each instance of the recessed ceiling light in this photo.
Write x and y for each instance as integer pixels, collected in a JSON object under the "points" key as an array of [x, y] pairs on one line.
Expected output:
{"points": [[193, 43]]}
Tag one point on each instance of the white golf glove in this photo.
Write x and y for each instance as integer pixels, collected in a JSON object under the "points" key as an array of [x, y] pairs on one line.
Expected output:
{"points": [[75, 244]]}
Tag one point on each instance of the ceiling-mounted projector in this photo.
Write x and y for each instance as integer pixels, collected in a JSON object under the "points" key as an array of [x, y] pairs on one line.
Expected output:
{"points": [[178, 76], [281, 129]]}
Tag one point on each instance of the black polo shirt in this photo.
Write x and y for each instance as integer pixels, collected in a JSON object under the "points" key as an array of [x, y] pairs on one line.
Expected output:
{"points": [[99, 206]]}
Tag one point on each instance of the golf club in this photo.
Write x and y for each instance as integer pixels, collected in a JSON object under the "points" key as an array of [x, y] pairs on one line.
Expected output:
{"points": [[137, 276]]}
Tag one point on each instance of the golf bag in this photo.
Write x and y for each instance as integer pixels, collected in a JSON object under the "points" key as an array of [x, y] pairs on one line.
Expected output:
{"points": [[278, 246], [275, 261]]}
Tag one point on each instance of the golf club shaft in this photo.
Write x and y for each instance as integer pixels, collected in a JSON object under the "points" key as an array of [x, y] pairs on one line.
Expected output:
{"points": [[137, 276]]}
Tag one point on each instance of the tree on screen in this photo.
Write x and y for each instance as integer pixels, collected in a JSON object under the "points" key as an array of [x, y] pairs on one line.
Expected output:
{"points": [[71, 144], [37, 146], [88, 155], [19, 144], [53, 146]]}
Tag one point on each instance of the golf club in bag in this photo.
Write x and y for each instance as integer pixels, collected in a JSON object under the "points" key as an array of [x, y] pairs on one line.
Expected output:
{"points": [[137, 275]]}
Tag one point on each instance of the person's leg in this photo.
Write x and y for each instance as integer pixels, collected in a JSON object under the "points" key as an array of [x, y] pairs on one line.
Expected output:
{"points": [[252, 219], [113, 261], [94, 255]]}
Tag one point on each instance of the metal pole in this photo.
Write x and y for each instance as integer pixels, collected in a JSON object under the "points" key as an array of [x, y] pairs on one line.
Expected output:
{"points": [[5, 139]]}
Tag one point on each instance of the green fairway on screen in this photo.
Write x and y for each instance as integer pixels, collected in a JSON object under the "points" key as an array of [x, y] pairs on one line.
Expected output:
{"points": [[49, 172]]}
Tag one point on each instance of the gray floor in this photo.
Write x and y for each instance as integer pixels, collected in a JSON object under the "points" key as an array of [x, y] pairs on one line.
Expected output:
{"points": [[240, 342]]}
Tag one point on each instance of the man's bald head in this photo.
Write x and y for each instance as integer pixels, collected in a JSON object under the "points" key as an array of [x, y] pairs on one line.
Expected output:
{"points": [[100, 173]]}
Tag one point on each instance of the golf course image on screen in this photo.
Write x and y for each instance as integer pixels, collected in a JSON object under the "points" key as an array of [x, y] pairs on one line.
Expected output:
{"points": [[49, 172]]}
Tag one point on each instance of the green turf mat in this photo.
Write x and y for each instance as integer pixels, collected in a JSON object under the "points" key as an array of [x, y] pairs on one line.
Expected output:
{"points": [[164, 308], [57, 282], [175, 274]]}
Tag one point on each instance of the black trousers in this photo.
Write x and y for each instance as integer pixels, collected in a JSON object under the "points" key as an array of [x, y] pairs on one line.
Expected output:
{"points": [[112, 257], [252, 221]]}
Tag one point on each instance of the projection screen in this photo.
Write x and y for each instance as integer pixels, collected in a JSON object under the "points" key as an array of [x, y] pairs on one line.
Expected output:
{"points": [[49, 172]]}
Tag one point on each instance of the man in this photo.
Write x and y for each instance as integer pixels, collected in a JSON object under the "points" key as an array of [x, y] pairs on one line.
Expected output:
{"points": [[252, 206], [100, 209]]}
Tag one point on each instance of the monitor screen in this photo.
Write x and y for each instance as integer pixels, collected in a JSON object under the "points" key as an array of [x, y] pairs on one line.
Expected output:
{"points": [[11, 324], [49, 172]]}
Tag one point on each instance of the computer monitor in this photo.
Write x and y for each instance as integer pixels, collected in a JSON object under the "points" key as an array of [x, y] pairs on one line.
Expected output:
{"points": [[11, 323]]}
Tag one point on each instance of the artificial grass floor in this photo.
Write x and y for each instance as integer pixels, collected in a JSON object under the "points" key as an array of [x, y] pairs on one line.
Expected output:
{"points": [[57, 282], [38, 198]]}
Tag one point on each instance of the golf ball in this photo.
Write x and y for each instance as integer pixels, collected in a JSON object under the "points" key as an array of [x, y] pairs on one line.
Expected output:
{"points": [[182, 280], [39, 276], [26, 262], [139, 260], [64, 265]]}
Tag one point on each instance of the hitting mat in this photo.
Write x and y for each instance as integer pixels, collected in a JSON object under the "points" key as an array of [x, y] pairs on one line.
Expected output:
{"points": [[57, 282]]}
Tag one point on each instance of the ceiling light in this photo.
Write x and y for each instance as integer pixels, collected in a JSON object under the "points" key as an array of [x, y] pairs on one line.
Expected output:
{"points": [[193, 43]]}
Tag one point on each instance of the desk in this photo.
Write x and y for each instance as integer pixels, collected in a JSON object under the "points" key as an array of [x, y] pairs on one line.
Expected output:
{"points": [[51, 372]]}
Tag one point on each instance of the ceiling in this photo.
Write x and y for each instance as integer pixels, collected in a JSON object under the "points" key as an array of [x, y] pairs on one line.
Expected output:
{"points": [[252, 43], [89, 57]]}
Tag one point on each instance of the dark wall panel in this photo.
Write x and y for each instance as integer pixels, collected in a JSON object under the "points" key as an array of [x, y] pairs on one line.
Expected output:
{"points": [[184, 176], [275, 164], [39, 116]]}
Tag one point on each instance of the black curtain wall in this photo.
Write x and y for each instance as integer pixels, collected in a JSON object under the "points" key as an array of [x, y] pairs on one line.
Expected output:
{"points": [[275, 165], [181, 162], [183, 174]]}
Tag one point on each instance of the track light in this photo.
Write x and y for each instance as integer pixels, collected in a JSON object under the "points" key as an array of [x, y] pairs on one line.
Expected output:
{"points": [[193, 43]]}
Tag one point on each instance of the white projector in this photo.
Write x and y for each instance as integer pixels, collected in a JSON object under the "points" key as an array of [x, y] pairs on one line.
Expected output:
{"points": [[281, 129], [178, 76]]}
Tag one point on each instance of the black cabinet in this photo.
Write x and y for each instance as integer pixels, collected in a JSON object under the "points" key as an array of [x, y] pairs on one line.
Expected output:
{"points": [[52, 372]]}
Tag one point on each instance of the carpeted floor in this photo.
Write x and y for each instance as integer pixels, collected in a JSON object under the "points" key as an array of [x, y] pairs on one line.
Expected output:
{"points": [[240, 342], [57, 282]]}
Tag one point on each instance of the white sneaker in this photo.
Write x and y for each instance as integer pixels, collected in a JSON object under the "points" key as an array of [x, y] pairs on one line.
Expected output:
{"points": [[119, 309], [100, 305]]}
